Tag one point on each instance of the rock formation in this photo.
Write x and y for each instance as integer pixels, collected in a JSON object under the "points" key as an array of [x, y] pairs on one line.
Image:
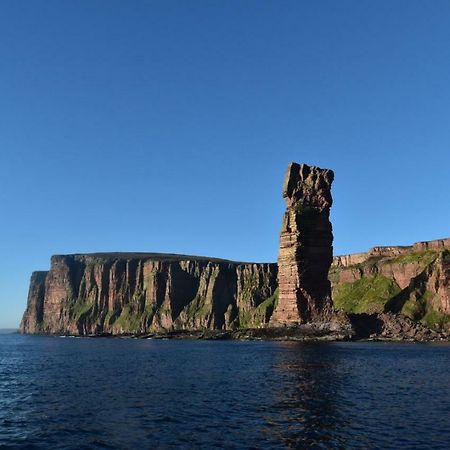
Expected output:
{"points": [[138, 293], [388, 291], [34, 314], [306, 250], [390, 326], [411, 280]]}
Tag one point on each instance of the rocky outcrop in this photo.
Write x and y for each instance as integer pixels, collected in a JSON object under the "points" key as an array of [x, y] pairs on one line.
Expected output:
{"points": [[34, 313], [140, 293], [389, 326], [306, 250], [412, 280]]}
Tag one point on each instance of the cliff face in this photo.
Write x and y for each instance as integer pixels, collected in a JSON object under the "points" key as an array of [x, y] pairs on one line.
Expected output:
{"points": [[136, 293], [413, 281], [34, 313], [306, 250], [139, 293]]}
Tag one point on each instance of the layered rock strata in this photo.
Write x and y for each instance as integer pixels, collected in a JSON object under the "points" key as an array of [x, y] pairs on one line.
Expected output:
{"points": [[139, 293], [306, 251], [411, 280]]}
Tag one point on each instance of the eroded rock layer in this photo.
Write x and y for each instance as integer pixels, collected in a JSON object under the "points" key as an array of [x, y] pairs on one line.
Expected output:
{"points": [[411, 280], [306, 251], [139, 293]]}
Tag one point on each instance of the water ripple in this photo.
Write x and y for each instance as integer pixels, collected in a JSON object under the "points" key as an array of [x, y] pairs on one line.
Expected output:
{"points": [[118, 393]]}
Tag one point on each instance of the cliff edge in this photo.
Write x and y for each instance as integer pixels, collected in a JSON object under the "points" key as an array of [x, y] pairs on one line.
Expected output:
{"points": [[121, 293]]}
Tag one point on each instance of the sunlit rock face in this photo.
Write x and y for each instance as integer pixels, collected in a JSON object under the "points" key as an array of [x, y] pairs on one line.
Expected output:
{"points": [[306, 251], [413, 281], [122, 293]]}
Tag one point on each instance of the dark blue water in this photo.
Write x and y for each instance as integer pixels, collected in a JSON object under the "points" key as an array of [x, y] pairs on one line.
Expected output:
{"points": [[64, 393]]}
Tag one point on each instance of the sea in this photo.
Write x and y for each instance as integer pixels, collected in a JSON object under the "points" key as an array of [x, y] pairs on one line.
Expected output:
{"points": [[117, 393]]}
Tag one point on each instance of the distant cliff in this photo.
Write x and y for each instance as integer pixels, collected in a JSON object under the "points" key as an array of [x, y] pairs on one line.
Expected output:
{"points": [[139, 293], [413, 281]]}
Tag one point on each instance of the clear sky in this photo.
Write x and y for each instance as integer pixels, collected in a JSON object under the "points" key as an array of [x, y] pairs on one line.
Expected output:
{"points": [[168, 125]]}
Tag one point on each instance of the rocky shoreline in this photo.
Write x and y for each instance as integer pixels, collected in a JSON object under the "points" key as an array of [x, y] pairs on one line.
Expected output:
{"points": [[364, 327]]}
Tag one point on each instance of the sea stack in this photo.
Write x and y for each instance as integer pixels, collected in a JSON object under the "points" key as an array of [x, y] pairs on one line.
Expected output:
{"points": [[306, 251]]}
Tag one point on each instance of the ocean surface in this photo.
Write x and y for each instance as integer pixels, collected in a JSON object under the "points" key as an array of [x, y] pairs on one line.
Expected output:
{"points": [[82, 393]]}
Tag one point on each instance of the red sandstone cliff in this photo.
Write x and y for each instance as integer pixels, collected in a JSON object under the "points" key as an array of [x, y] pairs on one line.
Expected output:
{"points": [[411, 280], [138, 293]]}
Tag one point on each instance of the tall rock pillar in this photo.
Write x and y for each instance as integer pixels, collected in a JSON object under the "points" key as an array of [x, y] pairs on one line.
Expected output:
{"points": [[306, 250]]}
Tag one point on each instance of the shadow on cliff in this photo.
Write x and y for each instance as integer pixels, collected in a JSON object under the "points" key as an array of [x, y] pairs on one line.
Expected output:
{"points": [[416, 289], [364, 325]]}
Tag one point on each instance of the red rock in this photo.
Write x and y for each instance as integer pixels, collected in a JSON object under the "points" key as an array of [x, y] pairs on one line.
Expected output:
{"points": [[421, 271], [306, 250], [140, 293]]}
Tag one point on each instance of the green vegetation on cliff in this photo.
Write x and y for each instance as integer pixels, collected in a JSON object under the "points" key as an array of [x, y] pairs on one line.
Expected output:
{"points": [[422, 274], [420, 308], [366, 295], [436, 320], [416, 306], [198, 310], [78, 308], [422, 258], [258, 316], [132, 320]]}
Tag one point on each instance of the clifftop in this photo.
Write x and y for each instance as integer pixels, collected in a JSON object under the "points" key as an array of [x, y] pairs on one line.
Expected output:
{"points": [[390, 251], [168, 257]]}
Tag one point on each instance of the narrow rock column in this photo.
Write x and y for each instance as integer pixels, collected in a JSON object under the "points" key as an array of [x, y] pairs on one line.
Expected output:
{"points": [[306, 250]]}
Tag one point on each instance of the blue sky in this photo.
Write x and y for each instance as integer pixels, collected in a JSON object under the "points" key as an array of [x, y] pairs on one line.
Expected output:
{"points": [[167, 126]]}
